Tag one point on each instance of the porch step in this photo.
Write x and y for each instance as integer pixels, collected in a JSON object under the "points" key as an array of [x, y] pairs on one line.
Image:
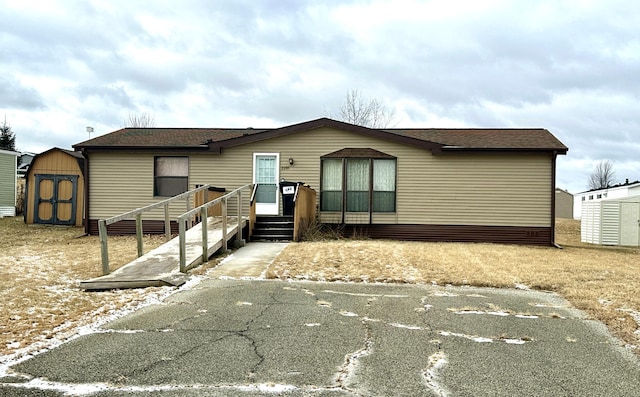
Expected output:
{"points": [[273, 228]]}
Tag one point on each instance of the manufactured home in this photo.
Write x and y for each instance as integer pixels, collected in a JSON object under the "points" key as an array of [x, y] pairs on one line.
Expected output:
{"points": [[8, 175], [424, 184]]}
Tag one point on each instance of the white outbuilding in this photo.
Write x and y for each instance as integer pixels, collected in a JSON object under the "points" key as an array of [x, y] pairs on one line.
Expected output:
{"points": [[611, 222]]}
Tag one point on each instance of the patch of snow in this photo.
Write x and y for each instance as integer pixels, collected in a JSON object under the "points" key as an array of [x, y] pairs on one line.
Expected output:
{"points": [[514, 341], [499, 314], [527, 316], [445, 294], [13, 345], [437, 361], [522, 286], [312, 324], [397, 325], [244, 304], [348, 314]]}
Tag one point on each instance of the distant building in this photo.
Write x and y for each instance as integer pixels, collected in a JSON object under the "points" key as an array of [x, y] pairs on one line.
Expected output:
{"points": [[8, 162], [621, 190], [564, 204], [24, 160]]}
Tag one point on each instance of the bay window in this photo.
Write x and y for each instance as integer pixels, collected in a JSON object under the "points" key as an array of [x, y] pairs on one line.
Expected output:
{"points": [[358, 184]]}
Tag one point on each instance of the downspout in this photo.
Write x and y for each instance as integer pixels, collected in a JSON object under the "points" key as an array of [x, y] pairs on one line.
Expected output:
{"points": [[86, 191], [553, 199]]}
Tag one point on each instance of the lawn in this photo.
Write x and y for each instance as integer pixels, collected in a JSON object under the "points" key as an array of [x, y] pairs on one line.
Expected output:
{"points": [[40, 267]]}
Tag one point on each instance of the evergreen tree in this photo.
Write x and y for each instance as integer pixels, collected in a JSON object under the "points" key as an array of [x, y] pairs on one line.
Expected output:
{"points": [[7, 137]]}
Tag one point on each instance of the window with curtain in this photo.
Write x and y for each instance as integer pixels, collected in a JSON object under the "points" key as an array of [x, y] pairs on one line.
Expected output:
{"points": [[331, 188], [171, 176], [384, 185], [365, 183], [358, 185]]}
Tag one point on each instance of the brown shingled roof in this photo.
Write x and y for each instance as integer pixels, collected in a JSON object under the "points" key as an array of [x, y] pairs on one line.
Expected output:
{"points": [[486, 138], [436, 140]]}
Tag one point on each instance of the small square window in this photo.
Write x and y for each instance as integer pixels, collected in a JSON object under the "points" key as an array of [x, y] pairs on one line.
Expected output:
{"points": [[171, 176]]}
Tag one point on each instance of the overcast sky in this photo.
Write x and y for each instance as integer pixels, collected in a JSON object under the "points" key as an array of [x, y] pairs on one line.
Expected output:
{"points": [[572, 67]]}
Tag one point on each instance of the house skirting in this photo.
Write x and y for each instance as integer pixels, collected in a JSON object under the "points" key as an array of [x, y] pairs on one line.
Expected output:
{"points": [[453, 233], [433, 233]]}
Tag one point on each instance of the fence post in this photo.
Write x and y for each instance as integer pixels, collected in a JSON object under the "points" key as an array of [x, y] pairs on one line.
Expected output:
{"points": [[104, 248], [239, 239], [188, 201], [167, 223], [205, 234], [224, 224], [139, 235], [182, 243]]}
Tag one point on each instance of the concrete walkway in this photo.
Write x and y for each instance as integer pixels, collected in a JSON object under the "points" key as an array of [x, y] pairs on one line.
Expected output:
{"points": [[161, 266], [250, 261]]}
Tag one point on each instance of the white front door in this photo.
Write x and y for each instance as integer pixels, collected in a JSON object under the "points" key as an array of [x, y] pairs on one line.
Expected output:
{"points": [[265, 175]]}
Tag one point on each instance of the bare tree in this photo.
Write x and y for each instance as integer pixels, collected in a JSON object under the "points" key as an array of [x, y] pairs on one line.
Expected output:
{"points": [[602, 175], [367, 112], [141, 120]]}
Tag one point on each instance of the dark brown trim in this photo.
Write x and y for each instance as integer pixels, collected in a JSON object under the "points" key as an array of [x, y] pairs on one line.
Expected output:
{"points": [[86, 193], [553, 198], [144, 149], [128, 227], [357, 153], [320, 123], [523, 235]]}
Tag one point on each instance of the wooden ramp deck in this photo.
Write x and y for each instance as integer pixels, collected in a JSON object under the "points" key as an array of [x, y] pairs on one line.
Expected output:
{"points": [[161, 266]]}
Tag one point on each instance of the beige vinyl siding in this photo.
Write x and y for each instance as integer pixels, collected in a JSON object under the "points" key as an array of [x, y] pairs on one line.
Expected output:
{"points": [[121, 182], [460, 189], [8, 161], [476, 189]]}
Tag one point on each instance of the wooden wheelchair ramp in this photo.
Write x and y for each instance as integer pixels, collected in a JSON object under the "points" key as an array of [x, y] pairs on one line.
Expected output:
{"points": [[161, 266]]}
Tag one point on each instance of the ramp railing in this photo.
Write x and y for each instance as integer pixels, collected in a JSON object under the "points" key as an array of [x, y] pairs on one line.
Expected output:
{"points": [[203, 212], [137, 214]]}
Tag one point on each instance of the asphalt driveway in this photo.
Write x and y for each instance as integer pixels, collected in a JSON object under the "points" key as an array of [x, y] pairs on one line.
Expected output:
{"points": [[256, 337]]}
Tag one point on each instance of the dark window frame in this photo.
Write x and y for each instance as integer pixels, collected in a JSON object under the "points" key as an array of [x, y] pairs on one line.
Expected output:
{"points": [[169, 185], [371, 155]]}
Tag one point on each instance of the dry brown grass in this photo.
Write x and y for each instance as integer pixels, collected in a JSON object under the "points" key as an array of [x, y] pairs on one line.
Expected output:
{"points": [[602, 281], [40, 268]]}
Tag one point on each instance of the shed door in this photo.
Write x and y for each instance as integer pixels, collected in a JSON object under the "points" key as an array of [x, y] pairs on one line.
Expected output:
{"points": [[56, 199], [265, 176], [629, 224]]}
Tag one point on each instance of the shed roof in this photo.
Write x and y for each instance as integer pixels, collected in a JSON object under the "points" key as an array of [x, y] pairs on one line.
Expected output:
{"points": [[437, 140], [77, 155]]}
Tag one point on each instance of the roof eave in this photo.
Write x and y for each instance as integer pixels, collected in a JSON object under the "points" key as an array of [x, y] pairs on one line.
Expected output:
{"points": [[141, 148], [457, 149]]}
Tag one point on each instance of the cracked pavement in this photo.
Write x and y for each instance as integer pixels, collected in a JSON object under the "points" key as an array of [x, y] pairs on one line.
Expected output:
{"points": [[256, 337]]}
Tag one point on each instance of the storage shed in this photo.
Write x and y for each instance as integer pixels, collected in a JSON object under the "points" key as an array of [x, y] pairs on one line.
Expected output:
{"points": [[55, 188], [611, 222]]}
